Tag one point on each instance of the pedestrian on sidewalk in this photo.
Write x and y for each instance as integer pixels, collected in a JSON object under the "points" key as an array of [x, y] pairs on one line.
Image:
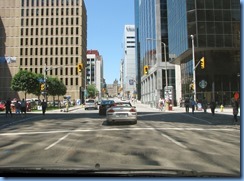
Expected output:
{"points": [[187, 104], [212, 107], [161, 104], [193, 105], [17, 106], [67, 106], [23, 107], [205, 105], [8, 107], [44, 107], [235, 105]]}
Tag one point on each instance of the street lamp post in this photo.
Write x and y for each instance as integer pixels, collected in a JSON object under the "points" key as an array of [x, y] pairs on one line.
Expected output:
{"points": [[194, 71], [165, 60]]}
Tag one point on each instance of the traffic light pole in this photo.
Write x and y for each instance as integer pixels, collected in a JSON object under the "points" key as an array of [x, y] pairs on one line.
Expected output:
{"points": [[45, 79], [45, 82], [194, 68]]}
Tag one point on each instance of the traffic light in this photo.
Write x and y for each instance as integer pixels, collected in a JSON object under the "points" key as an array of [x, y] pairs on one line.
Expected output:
{"points": [[145, 69], [202, 63], [42, 87], [192, 87], [80, 67]]}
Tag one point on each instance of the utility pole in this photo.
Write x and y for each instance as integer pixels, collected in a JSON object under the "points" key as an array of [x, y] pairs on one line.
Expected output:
{"points": [[194, 71]]}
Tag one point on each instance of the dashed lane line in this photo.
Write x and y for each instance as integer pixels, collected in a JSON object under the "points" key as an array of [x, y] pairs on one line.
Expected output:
{"points": [[173, 140], [59, 140]]}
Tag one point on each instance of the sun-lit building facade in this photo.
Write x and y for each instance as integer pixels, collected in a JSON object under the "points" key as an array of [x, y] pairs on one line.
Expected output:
{"points": [[43, 34]]}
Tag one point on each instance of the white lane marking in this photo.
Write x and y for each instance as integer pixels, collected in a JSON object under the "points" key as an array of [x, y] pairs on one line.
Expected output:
{"points": [[50, 146], [119, 129], [173, 140]]}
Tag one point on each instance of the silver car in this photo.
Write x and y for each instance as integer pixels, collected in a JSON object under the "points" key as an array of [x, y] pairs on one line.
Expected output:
{"points": [[122, 112], [90, 104]]}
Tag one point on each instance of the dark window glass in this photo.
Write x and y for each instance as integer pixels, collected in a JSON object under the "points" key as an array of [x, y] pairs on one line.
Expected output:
{"points": [[218, 15], [209, 15], [202, 40], [227, 28], [210, 28], [201, 28], [191, 16], [200, 4], [219, 27], [235, 15], [228, 40], [201, 15], [227, 15], [235, 4], [210, 41], [226, 4], [209, 4], [218, 4]]}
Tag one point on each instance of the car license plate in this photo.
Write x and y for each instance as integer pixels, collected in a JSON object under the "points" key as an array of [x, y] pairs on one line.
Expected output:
{"points": [[121, 115]]}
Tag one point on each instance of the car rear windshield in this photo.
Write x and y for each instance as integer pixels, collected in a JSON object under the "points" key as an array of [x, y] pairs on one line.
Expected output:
{"points": [[90, 101], [107, 102]]}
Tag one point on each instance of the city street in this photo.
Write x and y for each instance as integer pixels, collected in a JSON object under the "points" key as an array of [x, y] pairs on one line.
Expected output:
{"points": [[82, 139]]}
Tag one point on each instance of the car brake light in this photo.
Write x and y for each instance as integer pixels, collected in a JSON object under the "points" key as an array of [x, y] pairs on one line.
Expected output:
{"points": [[132, 110], [110, 110]]}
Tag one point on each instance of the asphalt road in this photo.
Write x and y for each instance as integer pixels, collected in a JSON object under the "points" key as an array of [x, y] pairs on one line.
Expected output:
{"points": [[82, 139]]}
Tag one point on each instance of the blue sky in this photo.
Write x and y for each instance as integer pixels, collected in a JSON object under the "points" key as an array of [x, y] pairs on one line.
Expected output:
{"points": [[105, 28]]}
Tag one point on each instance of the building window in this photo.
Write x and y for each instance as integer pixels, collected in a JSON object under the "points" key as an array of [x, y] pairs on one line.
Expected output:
{"points": [[71, 72], [71, 81]]}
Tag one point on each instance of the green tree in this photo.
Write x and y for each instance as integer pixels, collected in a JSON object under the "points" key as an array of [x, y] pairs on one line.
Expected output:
{"points": [[25, 81], [55, 87], [92, 91]]}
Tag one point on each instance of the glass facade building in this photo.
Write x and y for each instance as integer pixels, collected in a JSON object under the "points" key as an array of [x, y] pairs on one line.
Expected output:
{"points": [[151, 35], [215, 25]]}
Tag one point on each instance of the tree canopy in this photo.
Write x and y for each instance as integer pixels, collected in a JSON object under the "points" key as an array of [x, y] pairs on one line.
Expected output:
{"points": [[30, 83], [25, 81]]}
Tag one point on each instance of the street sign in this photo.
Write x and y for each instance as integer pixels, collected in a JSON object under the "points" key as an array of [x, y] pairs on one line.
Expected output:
{"points": [[131, 82], [41, 80], [203, 84]]}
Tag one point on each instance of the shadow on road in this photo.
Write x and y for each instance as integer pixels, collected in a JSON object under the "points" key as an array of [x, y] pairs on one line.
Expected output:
{"points": [[174, 117]]}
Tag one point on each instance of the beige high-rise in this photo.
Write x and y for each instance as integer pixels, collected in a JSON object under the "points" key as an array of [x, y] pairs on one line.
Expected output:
{"points": [[39, 33]]}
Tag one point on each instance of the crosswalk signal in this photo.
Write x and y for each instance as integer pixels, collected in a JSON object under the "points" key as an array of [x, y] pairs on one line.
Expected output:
{"points": [[202, 63], [42, 87], [145, 69], [80, 67]]}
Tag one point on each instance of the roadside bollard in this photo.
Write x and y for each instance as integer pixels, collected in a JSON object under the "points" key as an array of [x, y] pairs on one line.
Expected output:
{"points": [[221, 108]]}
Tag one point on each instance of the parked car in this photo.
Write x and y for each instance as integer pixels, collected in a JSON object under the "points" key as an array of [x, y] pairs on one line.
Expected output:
{"points": [[90, 104], [2, 105], [122, 112], [104, 105]]}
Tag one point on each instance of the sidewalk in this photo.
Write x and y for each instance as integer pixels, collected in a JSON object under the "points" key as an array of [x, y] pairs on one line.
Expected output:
{"points": [[176, 109]]}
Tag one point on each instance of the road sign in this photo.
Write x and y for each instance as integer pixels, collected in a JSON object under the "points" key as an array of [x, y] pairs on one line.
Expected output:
{"points": [[203, 84]]}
